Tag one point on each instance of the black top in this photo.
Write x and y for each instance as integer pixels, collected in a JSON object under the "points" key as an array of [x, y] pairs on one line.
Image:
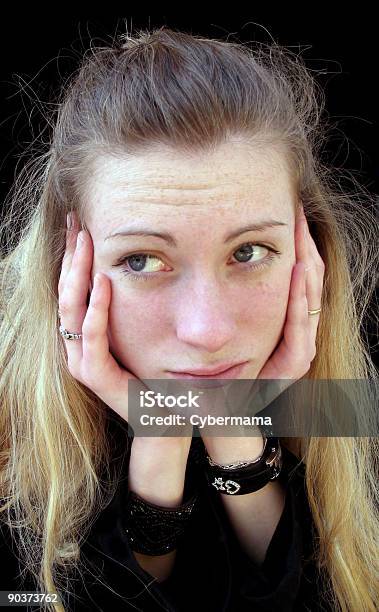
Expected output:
{"points": [[211, 572]]}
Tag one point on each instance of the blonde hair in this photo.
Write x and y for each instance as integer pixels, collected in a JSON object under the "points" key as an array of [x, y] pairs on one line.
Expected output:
{"points": [[165, 87]]}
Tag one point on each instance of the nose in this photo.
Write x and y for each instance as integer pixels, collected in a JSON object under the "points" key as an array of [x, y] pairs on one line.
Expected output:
{"points": [[204, 318]]}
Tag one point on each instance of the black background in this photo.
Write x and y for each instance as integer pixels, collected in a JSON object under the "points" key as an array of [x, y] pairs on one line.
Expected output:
{"points": [[38, 53]]}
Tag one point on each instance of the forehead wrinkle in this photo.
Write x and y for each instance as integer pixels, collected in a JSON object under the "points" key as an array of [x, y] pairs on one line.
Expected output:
{"points": [[229, 192], [110, 185], [154, 201], [114, 170], [150, 191], [209, 174]]}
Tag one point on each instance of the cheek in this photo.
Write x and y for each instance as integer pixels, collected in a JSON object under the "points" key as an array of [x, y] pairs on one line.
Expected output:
{"points": [[268, 300], [135, 329], [266, 318], [135, 313]]}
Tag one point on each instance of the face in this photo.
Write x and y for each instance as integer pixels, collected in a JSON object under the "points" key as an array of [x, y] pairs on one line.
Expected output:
{"points": [[209, 291]]}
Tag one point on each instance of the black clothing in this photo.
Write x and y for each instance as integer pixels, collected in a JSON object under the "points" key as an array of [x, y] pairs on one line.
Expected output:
{"points": [[211, 572]]}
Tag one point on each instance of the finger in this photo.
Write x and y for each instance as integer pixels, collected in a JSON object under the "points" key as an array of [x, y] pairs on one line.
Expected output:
{"points": [[71, 234], [313, 251], [314, 287], [314, 284], [73, 300], [304, 255], [308, 253], [296, 326], [301, 240], [95, 344]]}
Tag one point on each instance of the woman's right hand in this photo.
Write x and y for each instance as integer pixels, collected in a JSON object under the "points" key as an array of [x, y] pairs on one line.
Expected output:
{"points": [[157, 465], [89, 358]]}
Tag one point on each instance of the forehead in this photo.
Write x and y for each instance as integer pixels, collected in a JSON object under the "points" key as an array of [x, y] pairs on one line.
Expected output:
{"points": [[235, 178]]}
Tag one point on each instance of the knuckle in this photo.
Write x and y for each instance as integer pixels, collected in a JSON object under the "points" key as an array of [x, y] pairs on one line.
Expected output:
{"points": [[298, 360], [68, 283], [64, 306], [304, 355]]}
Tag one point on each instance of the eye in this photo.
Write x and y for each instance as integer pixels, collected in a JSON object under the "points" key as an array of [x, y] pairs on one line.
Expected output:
{"points": [[132, 265], [248, 250], [136, 263]]}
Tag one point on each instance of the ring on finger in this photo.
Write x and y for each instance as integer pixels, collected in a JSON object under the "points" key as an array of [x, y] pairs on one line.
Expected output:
{"points": [[67, 334]]}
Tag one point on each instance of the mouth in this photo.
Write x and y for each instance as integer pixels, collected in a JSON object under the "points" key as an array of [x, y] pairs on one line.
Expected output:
{"points": [[229, 372]]}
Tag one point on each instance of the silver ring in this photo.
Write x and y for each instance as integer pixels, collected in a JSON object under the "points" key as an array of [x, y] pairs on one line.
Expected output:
{"points": [[314, 312], [69, 335], [66, 334]]}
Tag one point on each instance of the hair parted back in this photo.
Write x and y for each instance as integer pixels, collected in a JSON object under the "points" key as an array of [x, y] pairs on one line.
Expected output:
{"points": [[191, 93]]}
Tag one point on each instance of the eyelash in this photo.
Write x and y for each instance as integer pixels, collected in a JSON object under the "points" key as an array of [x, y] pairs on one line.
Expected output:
{"points": [[146, 276]]}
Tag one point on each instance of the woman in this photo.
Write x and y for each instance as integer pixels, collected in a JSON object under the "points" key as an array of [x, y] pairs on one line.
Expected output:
{"points": [[195, 140]]}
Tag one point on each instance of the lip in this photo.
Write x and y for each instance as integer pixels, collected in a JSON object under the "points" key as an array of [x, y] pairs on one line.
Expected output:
{"points": [[221, 372]]}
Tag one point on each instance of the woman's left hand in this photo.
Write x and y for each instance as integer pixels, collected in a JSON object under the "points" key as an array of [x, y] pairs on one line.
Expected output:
{"points": [[297, 349]]}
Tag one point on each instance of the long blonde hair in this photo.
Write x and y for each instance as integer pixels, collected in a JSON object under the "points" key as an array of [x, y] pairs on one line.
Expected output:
{"points": [[191, 93]]}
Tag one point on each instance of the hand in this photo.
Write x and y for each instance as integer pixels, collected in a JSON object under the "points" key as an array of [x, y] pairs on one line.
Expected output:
{"points": [[296, 351], [89, 358]]}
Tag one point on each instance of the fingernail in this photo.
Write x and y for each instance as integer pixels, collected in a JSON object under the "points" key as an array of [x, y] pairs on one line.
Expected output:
{"points": [[69, 224], [80, 239]]}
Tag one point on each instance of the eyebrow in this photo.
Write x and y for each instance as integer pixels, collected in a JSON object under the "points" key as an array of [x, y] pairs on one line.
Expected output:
{"points": [[252, 227]]}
